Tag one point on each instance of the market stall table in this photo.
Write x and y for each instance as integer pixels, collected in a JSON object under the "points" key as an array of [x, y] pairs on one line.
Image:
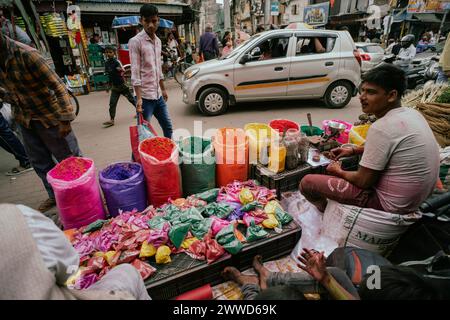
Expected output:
{"points": [[185, 273]]}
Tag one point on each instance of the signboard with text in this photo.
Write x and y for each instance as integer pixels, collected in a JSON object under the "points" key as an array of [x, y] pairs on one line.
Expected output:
{"points": [[274, 9], [427, 6], [317, 14]]}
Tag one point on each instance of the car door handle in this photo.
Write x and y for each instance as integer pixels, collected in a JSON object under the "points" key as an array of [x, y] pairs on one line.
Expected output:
{"points": [[278, 69], [329, 63]]}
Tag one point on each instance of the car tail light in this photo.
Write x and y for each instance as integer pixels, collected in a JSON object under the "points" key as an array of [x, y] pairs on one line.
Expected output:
{"points": [[365, 57], [357, 55]]}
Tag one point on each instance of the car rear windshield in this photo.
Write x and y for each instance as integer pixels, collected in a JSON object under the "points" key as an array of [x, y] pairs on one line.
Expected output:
{"points": [[373, 49]]}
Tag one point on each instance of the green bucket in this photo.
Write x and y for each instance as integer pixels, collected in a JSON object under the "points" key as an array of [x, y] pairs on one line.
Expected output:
{"points": [[316, 131]]}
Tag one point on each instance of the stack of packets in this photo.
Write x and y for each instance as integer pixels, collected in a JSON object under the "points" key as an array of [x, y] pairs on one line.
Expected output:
{"points": [[54, 25], [204, 226]]}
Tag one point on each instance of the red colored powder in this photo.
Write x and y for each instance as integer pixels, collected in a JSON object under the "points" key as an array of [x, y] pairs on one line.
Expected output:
{"points": [[283, 125], [159, 148], [70, 169]]}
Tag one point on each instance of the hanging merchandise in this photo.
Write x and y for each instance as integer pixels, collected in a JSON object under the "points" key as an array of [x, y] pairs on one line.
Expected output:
{"points": [[77, 192], [159, 158], [53, 24], [198, 165]]}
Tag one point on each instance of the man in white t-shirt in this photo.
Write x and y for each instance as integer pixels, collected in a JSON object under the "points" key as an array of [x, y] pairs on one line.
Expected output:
{"points": [[400, 160]]}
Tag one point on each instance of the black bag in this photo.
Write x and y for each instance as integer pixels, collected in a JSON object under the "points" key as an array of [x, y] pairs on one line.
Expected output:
{"points": [[355, 262]]}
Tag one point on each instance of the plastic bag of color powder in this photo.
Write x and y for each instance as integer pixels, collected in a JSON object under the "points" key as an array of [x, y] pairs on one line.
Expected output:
{"points": [[123, 185], [77, 192]]}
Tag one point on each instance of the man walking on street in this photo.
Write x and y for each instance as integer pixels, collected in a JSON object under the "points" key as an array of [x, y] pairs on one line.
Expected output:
{"points": [[42, 108], [146, 72], [12, 144], [209, 46]]}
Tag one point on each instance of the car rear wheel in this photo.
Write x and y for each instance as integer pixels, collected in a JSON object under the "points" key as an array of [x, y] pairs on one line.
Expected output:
{"points": [[213, 101], [338, 95]]}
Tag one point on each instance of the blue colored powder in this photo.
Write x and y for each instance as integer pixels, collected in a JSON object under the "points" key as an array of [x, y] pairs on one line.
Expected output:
{"points": [[121, 171]]}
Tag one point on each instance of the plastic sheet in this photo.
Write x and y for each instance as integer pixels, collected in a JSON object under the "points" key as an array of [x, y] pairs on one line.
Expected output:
{"points": [[123, 186], [231, 148], [79, 202], [198, 166], [162, 175]]}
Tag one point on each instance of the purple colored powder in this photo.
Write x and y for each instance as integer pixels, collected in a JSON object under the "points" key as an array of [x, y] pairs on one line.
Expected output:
{"points": [[121, 171]]}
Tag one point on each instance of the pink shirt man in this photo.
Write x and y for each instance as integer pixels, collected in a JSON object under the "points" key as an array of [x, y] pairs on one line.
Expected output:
{"points": [[146, 71]]}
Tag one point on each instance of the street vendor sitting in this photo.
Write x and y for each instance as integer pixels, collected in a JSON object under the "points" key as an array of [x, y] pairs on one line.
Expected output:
{"points": [[400, 159]]}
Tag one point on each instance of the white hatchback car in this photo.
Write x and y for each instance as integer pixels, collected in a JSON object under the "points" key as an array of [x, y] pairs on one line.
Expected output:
{"points": [[372, 54], [278, 65]]}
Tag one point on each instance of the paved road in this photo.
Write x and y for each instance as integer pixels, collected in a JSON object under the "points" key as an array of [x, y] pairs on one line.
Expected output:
{"points": [[109, 145]]}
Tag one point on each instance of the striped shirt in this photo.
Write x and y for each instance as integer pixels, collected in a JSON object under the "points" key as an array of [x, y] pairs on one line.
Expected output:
{"points": [[146, 69], [32, 87]]}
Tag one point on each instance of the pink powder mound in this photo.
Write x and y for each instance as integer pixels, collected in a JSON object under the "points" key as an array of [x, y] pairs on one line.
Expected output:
{"points": [[70, 169]]}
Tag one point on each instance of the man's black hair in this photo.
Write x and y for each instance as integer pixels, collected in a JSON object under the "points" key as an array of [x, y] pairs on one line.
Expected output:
{"points": [[148, 10], [110, 48], [388, 77], [404, 283]]}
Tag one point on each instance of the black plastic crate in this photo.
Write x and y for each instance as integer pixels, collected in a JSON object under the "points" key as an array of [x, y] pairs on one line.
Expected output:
{"points": [[285, 181], [185, 273]]}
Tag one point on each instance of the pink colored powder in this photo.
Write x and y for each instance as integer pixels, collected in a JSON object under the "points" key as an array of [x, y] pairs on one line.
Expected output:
{"points": [[70, 169]]}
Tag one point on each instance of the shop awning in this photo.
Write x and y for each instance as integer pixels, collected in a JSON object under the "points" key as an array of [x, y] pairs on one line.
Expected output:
{"points": [[121, 8], [427, 17], [119, 22]]}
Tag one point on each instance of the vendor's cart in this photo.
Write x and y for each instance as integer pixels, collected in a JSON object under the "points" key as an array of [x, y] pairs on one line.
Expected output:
{"points": [[125, 28]]}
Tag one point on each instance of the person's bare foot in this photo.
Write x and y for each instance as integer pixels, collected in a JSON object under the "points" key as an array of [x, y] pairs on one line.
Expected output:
{"points": [[262, 271], [231, 273]]}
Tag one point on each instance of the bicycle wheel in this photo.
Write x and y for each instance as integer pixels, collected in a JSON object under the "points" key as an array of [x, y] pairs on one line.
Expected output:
{"points": [[74, 102]]}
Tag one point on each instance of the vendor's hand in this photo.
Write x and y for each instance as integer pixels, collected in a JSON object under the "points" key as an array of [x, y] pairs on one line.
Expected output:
{"points": [[64, 128], [139, 106], [334, 168], [338, 153], [165, 95], [314, 263]]}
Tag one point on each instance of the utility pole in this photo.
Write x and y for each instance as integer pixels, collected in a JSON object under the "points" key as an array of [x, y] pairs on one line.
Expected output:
{"points": [[267, 14], [226, 15]]}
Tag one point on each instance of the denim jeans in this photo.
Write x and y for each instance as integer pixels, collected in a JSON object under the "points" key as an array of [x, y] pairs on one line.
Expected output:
{"points": [[43, 145], [159, 109], [11, 143], [303, 281]]}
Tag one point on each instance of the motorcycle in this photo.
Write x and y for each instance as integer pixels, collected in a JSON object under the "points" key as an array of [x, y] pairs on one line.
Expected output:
{"points": [[419, 71]]}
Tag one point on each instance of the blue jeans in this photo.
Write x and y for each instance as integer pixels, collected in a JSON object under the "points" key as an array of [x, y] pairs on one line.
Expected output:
{"points": [[159, 109], [11, 143]]}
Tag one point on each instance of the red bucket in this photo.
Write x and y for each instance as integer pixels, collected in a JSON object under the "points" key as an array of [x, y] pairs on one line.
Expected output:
{"points": [[282, 125]]}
